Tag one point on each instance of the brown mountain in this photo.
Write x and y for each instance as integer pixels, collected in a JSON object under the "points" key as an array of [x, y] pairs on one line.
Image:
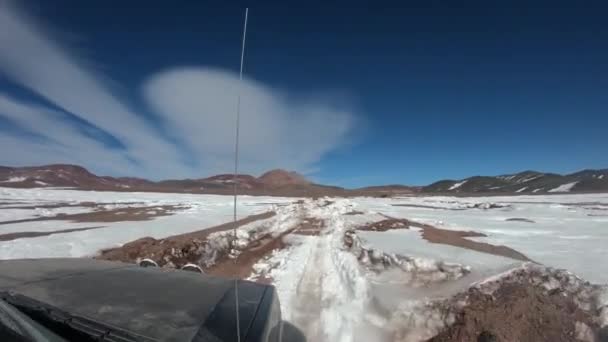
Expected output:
{"points": [[280, 177], [286, 183], [275, 182]]}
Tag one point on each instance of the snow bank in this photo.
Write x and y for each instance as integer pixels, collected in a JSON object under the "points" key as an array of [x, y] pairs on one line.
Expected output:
{"points": [[14, 180], [417, 271], [564, 187]]}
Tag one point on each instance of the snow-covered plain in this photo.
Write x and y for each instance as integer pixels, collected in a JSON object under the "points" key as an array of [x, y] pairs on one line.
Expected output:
{"points": [[568, 231], [334, 292], [202, 211]]}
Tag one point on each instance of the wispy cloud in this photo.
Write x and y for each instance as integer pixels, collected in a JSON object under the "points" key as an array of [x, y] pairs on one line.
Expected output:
{"points": [[63, 142], [200, 103], [196, 105]]}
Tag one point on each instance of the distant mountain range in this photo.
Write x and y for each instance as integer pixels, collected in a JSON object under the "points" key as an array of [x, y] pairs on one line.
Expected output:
{"points": [[275, 182], [286, 183], [526, 182]]}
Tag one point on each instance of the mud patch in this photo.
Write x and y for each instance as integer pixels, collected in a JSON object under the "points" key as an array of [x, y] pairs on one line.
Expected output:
{"points": [[456, 238], [528, 306], [112, 215], [178, 250], [22, 235], [424, 206], [519, 219], [242, 266], [384, 225]]}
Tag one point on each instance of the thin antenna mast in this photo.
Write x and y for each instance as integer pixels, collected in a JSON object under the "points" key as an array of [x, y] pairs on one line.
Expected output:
{"points": [[236, 170]]}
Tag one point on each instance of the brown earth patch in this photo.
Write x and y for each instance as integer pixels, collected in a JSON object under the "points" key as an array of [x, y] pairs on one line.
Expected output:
{"points": [[516, 312], [458, 239], [55, 205], [22, 235], [327, 203], [112, 215], [242, 266], [177, 249], [519, 219], [423, 206], [384, 225], [455, 238]]}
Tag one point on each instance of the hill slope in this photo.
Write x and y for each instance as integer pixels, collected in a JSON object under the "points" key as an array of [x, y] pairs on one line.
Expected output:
{"points": [[274, 182], [526, 182]]}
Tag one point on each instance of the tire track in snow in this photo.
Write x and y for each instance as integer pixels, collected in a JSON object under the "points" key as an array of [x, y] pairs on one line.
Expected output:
{"points": [[307, 304]]}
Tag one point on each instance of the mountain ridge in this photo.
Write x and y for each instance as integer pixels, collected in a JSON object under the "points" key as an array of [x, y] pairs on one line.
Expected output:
{"points": [[290, 183], [526, 182]]}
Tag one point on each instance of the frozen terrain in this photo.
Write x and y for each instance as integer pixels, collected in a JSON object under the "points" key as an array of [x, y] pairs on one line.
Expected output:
{"points": [[359, 269], [196, 212]]}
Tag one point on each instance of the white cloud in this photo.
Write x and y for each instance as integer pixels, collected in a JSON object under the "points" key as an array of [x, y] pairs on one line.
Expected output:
{"points": [[200, 103], [196, 105], [29, 58], [70, 145]]}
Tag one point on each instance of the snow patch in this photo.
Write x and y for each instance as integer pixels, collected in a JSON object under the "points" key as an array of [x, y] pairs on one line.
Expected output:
{"points": [[457, 185], [525, 180], [564, 187], [522, 189], [14, 180]]}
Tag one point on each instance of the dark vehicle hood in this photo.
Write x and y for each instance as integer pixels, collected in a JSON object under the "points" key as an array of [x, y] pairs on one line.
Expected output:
{"points": [[149, 303]]}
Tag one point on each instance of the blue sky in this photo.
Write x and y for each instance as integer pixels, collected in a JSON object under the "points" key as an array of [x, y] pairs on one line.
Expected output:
{"points": [[353, 94]]}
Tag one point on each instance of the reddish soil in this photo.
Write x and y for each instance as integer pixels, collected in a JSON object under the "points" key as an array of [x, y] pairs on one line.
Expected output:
{"points": [[282, 178], [242, 266], [388, 224], [21, 235], [458, 239], [517, 312], [447, 237], [113, 215], [163, 250], [98, 206], [519, 219], [423, 206]]}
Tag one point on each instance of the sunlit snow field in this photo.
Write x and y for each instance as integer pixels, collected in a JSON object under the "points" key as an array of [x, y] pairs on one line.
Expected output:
{"points": [[567, 231], [203, 211]]}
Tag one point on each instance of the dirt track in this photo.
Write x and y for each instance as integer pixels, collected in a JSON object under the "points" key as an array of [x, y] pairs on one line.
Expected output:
{"points": [[162, 250], [111, 215], [20, 235], [454, 238]]}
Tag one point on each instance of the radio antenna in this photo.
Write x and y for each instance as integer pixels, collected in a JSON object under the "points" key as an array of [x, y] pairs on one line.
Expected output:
{"points": [[236, 173]]}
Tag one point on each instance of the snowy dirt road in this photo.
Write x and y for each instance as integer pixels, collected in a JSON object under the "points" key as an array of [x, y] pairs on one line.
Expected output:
{"points": [[360, 269], [350, 281], [334, 288]]}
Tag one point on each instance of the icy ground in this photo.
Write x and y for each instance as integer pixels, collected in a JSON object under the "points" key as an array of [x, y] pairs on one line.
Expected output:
{"points": [[341, 283], [200, 211]]}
